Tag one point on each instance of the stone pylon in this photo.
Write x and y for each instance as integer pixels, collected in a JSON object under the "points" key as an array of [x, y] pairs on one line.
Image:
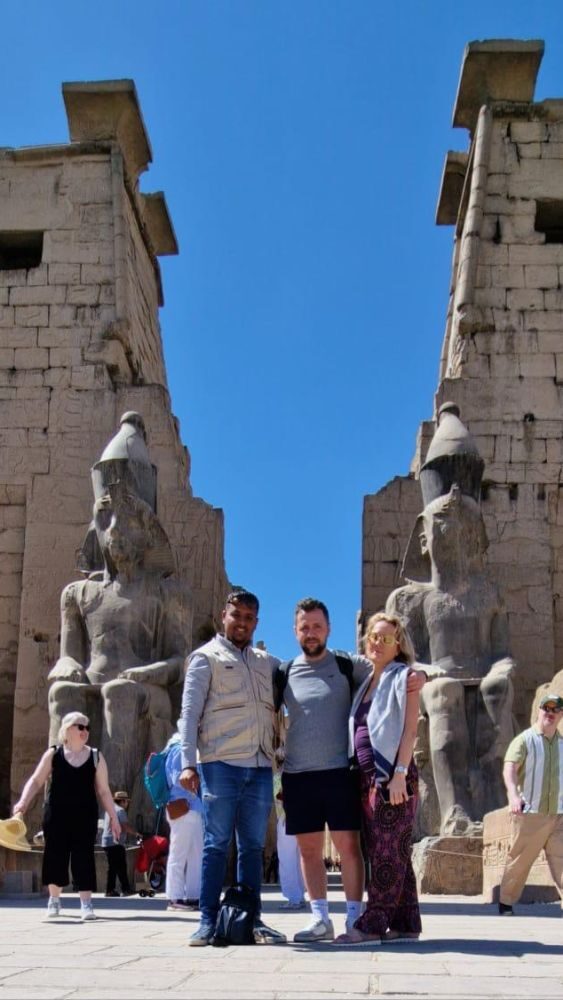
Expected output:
{"points": [[80, 344], [502, 357]]}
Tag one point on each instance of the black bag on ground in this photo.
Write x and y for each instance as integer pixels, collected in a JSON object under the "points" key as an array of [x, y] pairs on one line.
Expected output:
{"points": [[235, 920]]}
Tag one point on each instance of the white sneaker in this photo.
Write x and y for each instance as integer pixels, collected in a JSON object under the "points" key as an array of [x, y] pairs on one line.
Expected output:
{"points": [[317, 930], [87, 912], [53, 908]]}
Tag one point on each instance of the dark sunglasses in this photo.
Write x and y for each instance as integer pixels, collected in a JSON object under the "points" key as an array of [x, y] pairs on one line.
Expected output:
{"points": [[81, 727]]}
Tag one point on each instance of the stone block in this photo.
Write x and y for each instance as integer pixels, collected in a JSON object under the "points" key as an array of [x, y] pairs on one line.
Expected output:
{"points": [[520, 229], [553, 447], [529, 150], [62, 316], [95, 316], [538, 256], [90, 377], [483, 277], [504, 365], [553, 298], [65, 357], [7, 315], [37, 295], [30, 316], [22, 379], [64, 274], [555, 132], [528, 132], [493, 297], [15, 336], [449, 865], [14, 438], [97, 213], [24, 413], [97, 274], [538, 365], [63, 336], [552, 151], [10, 585], [539, 886], [497, 184], [83, 295], [543, 320], [541, 277], [494, 254], [57, 378], [6, 356], [31, 357], [107, 295], [526, 298], [12, 540]]}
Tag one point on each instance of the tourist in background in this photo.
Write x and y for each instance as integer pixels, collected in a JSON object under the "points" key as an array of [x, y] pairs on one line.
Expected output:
{"points": [[289, 859], [115, 849], [533, 775], [383, 723], [79, 777], [184, 815]]}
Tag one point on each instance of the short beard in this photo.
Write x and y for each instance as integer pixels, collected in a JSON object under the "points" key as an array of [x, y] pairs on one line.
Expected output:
{"points": [[319, 648]]}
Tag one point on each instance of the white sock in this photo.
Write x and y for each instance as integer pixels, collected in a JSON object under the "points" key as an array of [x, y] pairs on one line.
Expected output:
{"points": [[319, 909], [353, 911]]}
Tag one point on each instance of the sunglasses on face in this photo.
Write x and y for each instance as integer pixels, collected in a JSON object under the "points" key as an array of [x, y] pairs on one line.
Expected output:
{"points": [[552, 708], [387, 640], [81, 726]]}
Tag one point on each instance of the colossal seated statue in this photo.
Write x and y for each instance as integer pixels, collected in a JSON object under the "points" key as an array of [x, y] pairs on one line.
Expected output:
{"points": [[126, 628], [459, 628]]}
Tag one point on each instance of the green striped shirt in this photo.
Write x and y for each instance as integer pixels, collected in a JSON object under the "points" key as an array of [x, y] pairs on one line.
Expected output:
{"points": [[549, 803]]}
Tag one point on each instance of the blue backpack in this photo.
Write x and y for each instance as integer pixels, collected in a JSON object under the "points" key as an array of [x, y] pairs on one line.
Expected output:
{"points": [[154, 774]]}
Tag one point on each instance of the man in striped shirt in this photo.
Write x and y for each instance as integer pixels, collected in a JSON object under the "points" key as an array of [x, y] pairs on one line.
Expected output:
{"points": [[533, 775]]}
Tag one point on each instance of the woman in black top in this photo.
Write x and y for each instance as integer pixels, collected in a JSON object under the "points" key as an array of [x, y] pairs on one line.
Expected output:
{"points": [[79, 777]]}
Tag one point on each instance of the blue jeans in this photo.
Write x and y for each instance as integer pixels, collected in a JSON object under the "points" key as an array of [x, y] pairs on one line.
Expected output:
{"points": [[235, 799]]}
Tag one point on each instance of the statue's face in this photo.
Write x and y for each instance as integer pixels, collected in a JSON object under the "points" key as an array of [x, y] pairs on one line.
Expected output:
{"points": [[120, 530], [452, 528]]}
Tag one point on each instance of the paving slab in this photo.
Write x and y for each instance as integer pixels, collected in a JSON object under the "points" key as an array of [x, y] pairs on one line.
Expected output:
{"points": [[137, 949]]}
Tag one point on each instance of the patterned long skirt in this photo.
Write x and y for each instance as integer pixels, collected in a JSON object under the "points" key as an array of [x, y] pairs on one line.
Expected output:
{"points": [[387, 831]]}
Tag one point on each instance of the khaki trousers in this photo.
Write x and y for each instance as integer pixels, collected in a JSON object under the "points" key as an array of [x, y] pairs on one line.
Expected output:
{"points": [[530, 832]]}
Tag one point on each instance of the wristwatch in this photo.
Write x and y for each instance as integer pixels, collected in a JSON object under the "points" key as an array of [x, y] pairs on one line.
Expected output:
{"points": [[401, 769]]}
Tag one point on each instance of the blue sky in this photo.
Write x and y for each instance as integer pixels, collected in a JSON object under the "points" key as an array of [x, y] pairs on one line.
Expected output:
{"points": [[300, 147]]}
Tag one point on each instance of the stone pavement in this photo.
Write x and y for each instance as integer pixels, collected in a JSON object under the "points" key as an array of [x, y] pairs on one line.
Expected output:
{"points": [[138, 950]]}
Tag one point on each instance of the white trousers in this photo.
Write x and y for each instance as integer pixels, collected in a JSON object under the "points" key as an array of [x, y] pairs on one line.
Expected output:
{"points": [[183, 868], [291, 876]]}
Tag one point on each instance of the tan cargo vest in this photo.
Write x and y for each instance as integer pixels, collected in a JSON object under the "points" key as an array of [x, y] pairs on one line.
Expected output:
{"points": [[238, 716]]}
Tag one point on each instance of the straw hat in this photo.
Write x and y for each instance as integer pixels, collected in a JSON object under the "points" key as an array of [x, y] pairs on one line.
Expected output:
{"points": [[12, 834]]}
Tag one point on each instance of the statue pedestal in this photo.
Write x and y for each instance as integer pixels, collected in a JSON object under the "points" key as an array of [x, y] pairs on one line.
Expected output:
{"points": [[539, 887], [20, 871], [449, 865]]}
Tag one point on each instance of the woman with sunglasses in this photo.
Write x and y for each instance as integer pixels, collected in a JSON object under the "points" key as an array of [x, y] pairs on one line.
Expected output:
{"points": [[383, 723], [79, 777]]}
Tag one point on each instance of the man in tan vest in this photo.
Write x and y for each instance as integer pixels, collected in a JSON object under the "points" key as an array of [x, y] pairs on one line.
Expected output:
{"points": [[228, 716]]}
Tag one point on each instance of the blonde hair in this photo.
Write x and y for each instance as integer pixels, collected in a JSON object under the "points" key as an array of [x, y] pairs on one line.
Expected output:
{"points": [[406, 652], [70, 719]]}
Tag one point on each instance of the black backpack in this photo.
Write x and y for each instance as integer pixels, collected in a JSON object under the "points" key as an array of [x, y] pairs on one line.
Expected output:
{"points": [[235, 920], [345, 666]]}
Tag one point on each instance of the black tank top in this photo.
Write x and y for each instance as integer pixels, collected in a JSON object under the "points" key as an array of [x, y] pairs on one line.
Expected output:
{"points": [[72, 795]]}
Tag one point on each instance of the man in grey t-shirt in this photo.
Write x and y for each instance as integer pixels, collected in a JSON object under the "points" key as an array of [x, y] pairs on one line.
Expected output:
{"points": [[318, 786]]}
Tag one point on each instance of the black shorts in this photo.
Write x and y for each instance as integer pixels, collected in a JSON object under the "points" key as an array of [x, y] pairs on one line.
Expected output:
{"points": [[312, 799]]}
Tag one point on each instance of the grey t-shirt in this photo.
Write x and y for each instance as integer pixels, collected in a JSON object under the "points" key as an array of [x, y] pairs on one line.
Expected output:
{"points": [[317, 698]]}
